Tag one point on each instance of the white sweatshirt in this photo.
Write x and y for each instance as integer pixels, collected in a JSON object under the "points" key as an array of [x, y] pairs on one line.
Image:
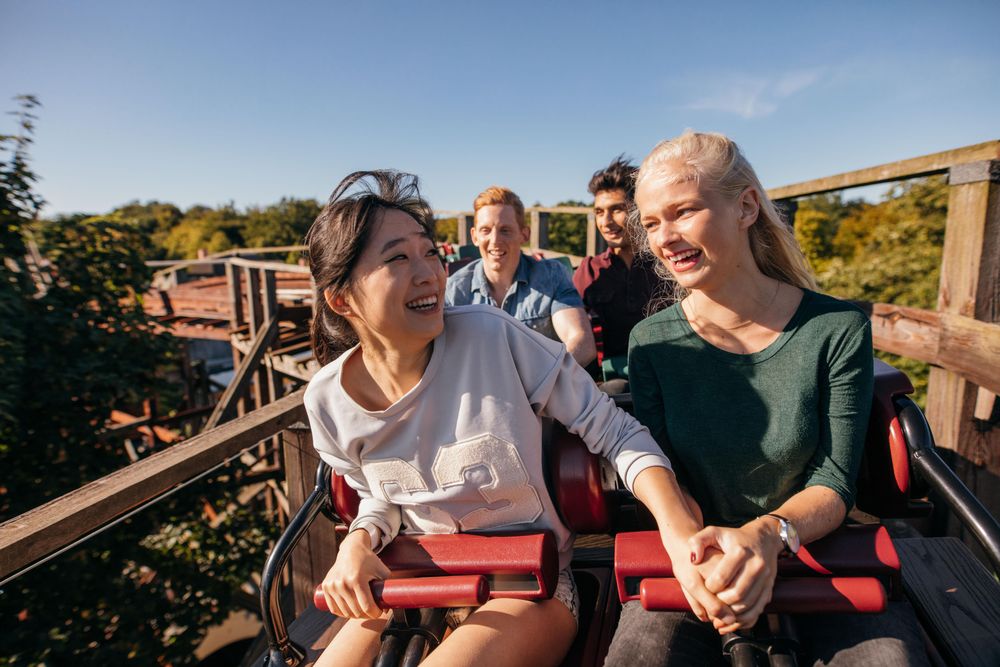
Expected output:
{"points": [[461, 451]]}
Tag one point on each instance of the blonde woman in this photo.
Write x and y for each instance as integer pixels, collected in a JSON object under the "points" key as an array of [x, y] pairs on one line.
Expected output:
{"points": [[758, 388]]}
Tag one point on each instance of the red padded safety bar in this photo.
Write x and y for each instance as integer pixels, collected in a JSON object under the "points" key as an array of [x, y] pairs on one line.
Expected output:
{"points": [[423, 592], [857, 551], [576, 479], [531, 556], [802, 595]]}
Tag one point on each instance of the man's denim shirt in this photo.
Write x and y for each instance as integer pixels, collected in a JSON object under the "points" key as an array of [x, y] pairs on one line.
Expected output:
{"points": [[540, 288]]}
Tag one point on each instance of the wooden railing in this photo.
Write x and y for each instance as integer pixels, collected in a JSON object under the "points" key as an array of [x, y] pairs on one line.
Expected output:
{"points": [[961, 338], [60, 523]]}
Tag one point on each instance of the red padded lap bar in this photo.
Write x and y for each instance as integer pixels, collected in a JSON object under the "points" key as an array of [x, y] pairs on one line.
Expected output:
{"points": [[857, 551], [425, 592], [804, 595], [532, 556]]}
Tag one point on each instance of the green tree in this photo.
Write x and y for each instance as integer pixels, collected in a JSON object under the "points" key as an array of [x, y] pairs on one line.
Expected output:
{"points": [[817, 222], [204, 228], [76, 343], [153, 219], [281, 224], [890, 252], [568, 231], [446, 230], [19, 205]]}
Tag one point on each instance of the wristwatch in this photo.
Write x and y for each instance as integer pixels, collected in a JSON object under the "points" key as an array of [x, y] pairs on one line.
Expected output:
{"points": [[786, 531]]}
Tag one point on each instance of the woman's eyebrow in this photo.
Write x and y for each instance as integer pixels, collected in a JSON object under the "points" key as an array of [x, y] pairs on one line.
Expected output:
{"points": [[391, 243]]}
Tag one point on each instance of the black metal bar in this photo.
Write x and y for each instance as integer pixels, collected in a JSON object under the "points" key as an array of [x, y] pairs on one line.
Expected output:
{"points": [[416, 649], [784, 640], [390, 651], [931, 467], [281, 650]]}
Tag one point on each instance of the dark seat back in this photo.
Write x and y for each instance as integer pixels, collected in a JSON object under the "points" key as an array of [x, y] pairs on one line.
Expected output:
{"points": [[886, 484]]}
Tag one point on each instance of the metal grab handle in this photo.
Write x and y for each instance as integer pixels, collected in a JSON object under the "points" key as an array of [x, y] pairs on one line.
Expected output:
{"points": [[942, 479], [281, 650]]}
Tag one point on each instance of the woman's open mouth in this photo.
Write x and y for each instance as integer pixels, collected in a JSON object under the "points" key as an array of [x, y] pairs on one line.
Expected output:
{"points": [[423, 304], [685, 260]]}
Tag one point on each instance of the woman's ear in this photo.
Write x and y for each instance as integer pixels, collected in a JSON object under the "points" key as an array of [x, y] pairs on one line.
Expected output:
{"points": [[749, 207], [337, 302]]}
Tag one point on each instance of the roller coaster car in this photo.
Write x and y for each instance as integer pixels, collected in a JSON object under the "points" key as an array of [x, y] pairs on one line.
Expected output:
{"points": [[855, 569]]}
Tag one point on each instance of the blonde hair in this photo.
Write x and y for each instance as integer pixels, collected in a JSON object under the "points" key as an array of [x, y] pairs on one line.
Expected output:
{"points": [[716, 160], [496, 195]]}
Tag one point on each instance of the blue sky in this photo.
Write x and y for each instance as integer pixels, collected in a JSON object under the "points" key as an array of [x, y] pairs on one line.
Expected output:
{"points": [[209, 102]]}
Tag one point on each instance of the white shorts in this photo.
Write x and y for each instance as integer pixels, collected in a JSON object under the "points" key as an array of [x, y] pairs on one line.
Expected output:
{"points": [[565, 592]]}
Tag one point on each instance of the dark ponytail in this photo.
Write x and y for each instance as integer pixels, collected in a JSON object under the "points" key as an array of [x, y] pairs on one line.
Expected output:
{"points": [[339, 236]]}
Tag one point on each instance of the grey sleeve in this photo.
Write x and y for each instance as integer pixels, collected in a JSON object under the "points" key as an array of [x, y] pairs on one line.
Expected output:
{"points": [[384, 516], [567, 394]]}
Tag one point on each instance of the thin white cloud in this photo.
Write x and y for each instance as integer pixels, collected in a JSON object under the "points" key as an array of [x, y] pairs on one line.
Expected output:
{"points": [[750, 96]]}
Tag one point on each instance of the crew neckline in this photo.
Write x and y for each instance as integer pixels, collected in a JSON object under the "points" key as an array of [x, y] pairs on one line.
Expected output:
{"points": [[750, 358], [437, 355]]}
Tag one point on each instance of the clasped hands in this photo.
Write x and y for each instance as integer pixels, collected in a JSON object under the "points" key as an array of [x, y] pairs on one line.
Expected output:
{"points": [[728, 577]]}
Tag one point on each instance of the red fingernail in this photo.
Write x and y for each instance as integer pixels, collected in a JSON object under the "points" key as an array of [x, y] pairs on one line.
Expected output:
{"points": [[693, 557]]}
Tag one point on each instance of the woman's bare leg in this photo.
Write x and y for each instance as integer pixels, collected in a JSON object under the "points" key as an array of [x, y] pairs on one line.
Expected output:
{"points": [[509, 632], [356, 644]]}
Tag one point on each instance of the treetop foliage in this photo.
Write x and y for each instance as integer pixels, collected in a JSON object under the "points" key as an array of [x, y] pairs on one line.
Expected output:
{"points": [[888, 252], [76, 343]]}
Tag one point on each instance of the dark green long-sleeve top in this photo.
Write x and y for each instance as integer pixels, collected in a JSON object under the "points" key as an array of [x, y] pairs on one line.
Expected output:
{"points": [[745, 432]]}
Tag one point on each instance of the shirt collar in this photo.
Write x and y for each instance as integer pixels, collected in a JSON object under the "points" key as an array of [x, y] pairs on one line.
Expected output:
{"points": [[480, 285], [523, 269]]}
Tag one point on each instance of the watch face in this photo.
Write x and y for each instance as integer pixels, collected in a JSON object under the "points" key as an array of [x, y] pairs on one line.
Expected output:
{"points": [[791, 537]]}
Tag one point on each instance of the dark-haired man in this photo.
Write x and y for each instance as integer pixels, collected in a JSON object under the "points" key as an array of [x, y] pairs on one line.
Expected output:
{"points": [[618, 284]]}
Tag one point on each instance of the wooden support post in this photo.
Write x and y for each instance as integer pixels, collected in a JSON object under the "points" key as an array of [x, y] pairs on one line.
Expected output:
{"points": [[234, 280], [268, 377], [464, 231], [539, 230], [226, 407], [970, 286], [256, 320], [594, 237], [317, 551], [270, 299]]}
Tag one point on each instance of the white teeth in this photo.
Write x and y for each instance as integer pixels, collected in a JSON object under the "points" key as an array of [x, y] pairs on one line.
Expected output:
{"points": [[683, 255], [425, 303]]}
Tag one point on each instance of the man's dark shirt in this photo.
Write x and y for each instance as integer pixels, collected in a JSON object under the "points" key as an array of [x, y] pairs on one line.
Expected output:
{"points": [[617, 295]]}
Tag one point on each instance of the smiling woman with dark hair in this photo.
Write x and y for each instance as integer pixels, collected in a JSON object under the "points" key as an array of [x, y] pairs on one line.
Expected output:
{"points": [[434, 416]]}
